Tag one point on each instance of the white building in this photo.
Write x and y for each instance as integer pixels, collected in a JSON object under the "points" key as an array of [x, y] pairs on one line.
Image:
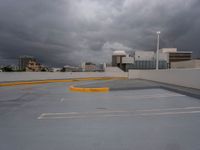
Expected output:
{"points": [[168, 50], [172, 55], [163, 56], [128, 60], [117, 58], [55, 69], [146, 59], [144, 55]]}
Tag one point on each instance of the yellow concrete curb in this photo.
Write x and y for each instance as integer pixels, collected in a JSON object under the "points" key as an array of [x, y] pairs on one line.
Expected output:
{"points": [[54, 81], [79, 89]]}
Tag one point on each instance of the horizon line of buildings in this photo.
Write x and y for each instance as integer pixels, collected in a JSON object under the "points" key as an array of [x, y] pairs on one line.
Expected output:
{"points": [[31, 64], [139, 59]]}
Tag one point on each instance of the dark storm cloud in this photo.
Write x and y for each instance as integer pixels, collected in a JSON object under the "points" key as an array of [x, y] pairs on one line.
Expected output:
{"points": [[60, 32]]}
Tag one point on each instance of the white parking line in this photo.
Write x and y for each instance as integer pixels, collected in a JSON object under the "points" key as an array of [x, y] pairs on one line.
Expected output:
{"points": [[169, 113], [122, 115], [156, 96], [103, 113], [41, 116], [166, 109]]}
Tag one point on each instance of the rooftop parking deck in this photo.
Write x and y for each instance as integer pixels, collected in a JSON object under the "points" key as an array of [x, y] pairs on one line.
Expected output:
{"points": [[135, 114]]}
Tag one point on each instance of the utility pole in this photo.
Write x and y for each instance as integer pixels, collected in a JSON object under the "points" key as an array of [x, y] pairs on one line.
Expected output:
{"points": [[157, 52]]}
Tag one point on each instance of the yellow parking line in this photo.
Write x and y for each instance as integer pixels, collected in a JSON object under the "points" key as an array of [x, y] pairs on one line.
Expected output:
{"points": [[55, 81], [79, 89]]}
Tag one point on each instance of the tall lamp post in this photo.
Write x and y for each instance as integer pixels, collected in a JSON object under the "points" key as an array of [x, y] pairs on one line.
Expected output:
{"points": [[157, 51]]}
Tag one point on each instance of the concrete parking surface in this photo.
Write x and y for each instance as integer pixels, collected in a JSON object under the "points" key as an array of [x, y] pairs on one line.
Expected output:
{"points": [[49, 117]]}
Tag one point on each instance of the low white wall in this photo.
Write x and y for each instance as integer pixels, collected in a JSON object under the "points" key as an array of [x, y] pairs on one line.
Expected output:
{"points": [[134, 74], [183, 77], [26, 76]]}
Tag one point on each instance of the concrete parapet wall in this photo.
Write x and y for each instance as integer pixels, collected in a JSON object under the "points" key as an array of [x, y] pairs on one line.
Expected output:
{"points": [[182, 77], [27, 76], [116, 74]]}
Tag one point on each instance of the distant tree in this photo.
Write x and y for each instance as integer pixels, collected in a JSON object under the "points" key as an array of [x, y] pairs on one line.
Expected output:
{"points": [[22, 70], [62, 70], [7, 69], [43, 70]]}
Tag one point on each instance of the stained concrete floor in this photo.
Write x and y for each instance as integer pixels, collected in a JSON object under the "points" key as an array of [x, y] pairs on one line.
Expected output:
{"points": [[50, 117]]}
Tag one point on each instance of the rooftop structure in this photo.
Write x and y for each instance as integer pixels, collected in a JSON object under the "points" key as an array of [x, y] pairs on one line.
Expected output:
{"points": [[168, 50], [117, 59], [119, 53]]}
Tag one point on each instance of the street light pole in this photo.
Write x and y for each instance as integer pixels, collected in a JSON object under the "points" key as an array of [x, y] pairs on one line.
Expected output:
{"points": [[157, 52]]}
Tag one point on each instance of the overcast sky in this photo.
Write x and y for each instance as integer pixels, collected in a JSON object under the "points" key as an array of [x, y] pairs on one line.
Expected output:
{"points": [[60, 32]]}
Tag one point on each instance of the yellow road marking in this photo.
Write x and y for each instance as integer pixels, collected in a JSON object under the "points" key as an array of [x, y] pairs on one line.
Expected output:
{"points": [[55, 81], [78, 89]]}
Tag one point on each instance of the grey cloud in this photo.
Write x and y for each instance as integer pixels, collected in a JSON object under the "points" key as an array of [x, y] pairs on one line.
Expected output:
{"points": [[70, 31]]}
